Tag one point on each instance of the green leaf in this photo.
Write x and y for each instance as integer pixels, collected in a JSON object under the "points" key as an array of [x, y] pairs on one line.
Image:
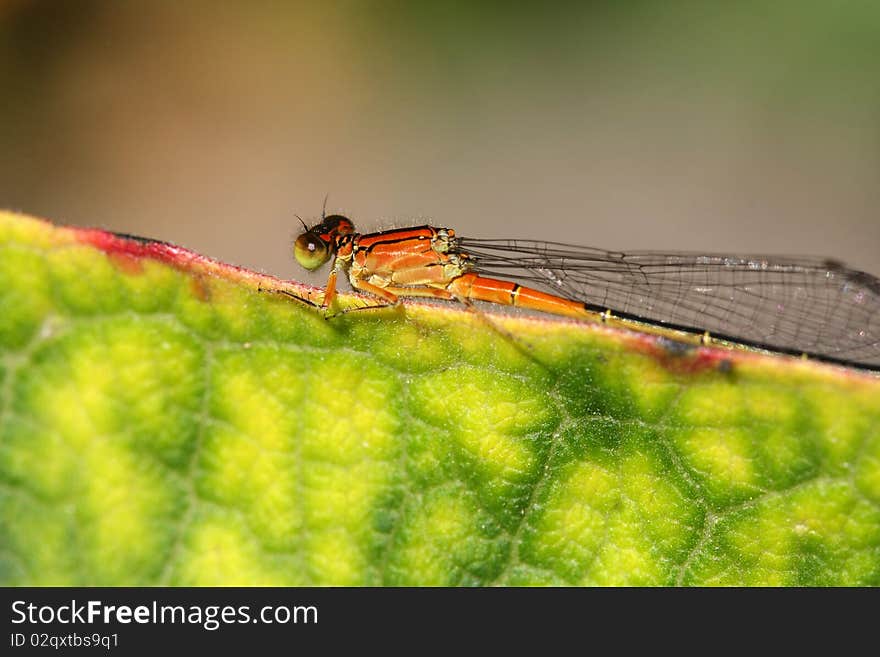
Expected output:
{"points": [[163, 422]]}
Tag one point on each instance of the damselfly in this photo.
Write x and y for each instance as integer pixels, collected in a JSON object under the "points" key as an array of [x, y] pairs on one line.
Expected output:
{"points": [[806, 306]]}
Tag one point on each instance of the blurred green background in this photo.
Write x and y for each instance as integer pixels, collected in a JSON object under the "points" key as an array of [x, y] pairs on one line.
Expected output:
{"points": [[751, 126]]}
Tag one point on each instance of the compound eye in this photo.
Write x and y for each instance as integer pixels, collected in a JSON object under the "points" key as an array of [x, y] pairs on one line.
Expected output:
{"points": [[310, 251]]}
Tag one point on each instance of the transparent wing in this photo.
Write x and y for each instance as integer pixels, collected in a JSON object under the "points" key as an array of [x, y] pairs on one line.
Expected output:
{"points": [[810, 305]]}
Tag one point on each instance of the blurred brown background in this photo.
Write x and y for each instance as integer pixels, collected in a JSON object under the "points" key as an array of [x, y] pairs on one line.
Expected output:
{"points": [[749, 126]]}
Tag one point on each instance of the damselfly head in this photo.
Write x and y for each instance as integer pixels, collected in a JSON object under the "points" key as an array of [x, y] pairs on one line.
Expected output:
{"points": [[316, 244]]}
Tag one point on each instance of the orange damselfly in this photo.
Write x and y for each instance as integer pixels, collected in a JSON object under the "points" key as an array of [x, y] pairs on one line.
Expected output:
{"points": [[804, 306]]}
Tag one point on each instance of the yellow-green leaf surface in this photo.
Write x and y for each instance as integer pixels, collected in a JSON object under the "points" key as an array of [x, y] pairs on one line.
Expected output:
{"points": [[163, 422]]}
